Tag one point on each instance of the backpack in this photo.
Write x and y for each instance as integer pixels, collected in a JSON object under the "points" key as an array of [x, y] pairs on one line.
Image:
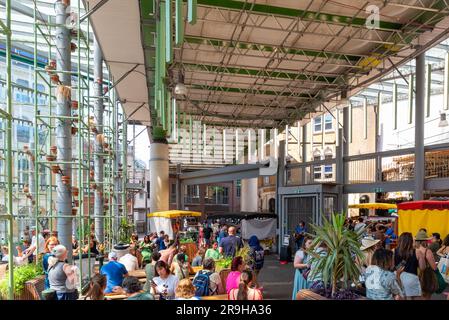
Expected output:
{"points": [[201, 283]]}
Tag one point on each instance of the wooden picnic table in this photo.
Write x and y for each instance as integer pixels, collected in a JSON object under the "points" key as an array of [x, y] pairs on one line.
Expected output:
{"points": [[115, 296], [140, 273], [196, 269]]}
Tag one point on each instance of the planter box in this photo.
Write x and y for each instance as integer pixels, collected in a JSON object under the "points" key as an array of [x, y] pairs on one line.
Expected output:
{"points": [[33, 289], [307, 294]]}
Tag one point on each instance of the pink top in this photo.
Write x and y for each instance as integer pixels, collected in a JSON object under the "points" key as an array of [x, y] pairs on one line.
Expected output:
{"points": [[232, 281]]}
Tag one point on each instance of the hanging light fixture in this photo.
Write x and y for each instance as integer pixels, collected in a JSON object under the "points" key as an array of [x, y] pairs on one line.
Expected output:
{"points": [[180, 87], [443, 122]]}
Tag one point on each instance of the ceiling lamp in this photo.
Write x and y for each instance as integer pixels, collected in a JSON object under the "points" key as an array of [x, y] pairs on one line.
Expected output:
{"points": [[180, 89], [443, 121]]}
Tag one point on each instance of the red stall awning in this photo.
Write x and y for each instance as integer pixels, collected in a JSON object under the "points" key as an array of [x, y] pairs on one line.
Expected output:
{"points": [[424, 204]]}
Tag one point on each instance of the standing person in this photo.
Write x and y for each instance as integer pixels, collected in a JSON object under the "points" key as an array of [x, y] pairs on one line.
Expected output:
{"points": [[315, 277], [208, 282], [207, 231], [389, 235], [300, 231], [133, 289], [114, 271], [244, 290], [49, 245], [150, 271], [160, 241], [97, 286], [381, 283], [185, 290], [129, 260], [62, 276], [233, 279], [380, 234], [257, 255], [164, 283], [302, 266], [406, 254], [37, 242], [166, 241], [213, 251], [229, 245], [428, 280], [223, 233], [146, 249]]}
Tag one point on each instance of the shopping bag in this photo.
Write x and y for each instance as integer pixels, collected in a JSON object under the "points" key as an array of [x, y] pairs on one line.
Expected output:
{"points": [[443, 267], [442, 284]]}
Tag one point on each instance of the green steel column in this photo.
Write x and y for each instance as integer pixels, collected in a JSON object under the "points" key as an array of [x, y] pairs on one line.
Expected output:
{"points": [[9, 151], [168, 32], [179, 35], [35, 166], [125, 165], [191, 13]]}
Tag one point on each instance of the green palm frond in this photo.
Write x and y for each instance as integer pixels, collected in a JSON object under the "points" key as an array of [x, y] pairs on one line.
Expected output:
{"points": [[338, 265]]}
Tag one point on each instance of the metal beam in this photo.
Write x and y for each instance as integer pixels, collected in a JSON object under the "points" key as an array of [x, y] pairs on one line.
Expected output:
{"points": [[93, 10], [385, 186], [319, 17], [230, 173]]}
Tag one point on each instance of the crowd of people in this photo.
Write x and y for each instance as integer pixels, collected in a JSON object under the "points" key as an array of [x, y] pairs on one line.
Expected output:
{"points": [[406, 272], [167, 267]]}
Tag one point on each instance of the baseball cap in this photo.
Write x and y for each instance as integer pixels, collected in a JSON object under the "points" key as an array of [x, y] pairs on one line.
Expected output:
{"points": [[112, 255]]}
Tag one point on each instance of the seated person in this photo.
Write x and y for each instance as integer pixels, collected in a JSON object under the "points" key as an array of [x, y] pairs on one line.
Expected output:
{"points": [[245, 291], [129, 260], [198, 259], [114, 271], [207, 281], [133, 289], [213, 252], [185, 290]]}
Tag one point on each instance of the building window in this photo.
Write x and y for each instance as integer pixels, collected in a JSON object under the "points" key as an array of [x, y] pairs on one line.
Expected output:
{"points": [[141, 195], [317, 125], [266, 180], [192, 194], [217, 195], [289, 175], [173, 193], [317, 169], [148, 189], [238, 188], [328, 123], [328, 168]]}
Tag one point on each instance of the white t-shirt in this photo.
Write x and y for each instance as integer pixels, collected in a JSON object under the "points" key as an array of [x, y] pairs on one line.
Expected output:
{"points": [[170, 283], [359, 227], [131, 263], [41, 244]]}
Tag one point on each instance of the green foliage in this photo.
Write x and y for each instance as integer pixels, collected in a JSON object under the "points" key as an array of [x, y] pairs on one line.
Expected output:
{"points": [[338, 265], [125, 230], [159, 134], [223, 263], [186, 240], [22, 274]]}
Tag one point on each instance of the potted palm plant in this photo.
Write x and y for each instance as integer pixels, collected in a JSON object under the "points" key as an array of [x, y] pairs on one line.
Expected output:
{"points": [[338, 267]]}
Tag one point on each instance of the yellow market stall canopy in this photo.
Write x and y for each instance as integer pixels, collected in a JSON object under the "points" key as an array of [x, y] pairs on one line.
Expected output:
{"points": [[173, 214], [431, 215], [373, 206]]}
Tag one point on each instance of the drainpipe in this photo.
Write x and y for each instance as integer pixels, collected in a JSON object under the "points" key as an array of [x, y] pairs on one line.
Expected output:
{"points": [[63, 129], [98, 159]]}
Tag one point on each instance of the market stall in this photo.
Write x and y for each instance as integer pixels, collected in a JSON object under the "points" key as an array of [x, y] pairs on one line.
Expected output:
{"points": [[170, 223], [428, 214], [376, 208]]}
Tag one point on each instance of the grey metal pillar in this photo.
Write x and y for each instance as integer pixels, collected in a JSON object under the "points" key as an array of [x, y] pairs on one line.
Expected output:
{"points": [[345, 151], [339, 168], [280, 182], [419, 127], [304, 152], [98, 158], [63, 128]]}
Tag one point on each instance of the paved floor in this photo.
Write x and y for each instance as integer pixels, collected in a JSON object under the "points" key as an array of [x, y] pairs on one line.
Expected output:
{"points": [[276, 279]]}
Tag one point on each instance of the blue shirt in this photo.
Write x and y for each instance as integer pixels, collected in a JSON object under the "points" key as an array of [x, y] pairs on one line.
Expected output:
{"points": [[230, 245], [45, 267], [389, 232], [160, 243], [114, 272], [299, 229]]}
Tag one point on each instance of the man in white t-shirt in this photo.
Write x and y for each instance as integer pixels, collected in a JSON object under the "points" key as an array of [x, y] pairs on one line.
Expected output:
{"points": [[130, 260], [36, 243]]}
